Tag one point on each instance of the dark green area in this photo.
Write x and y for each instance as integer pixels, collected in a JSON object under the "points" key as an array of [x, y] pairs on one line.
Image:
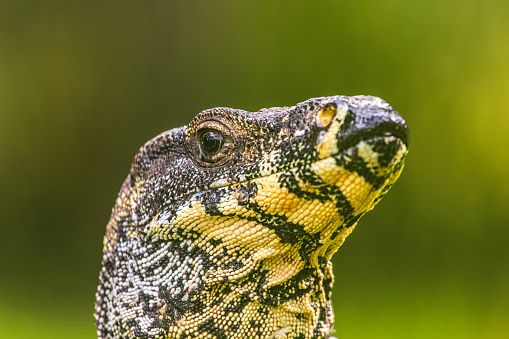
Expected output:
{"points": [[83, 84]]}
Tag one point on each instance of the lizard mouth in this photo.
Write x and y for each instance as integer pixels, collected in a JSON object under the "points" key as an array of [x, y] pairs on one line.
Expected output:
{"points": [[389, 130]]}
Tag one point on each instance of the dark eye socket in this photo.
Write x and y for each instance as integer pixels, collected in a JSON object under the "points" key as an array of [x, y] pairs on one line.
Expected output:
{"points": [[211, 142]]}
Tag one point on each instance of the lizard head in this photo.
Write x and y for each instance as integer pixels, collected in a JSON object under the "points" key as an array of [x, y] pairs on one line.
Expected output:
{"points": [[282, 181], [251, 199]]}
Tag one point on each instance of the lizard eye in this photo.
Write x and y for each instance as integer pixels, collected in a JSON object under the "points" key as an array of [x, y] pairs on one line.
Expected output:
{"points": [[211, 142]]}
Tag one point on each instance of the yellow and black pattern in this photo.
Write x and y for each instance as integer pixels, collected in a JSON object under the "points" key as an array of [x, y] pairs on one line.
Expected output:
{"points": [[225, 228]]}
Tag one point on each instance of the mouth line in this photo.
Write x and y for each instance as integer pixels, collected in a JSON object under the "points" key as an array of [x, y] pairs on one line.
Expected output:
{"points": [[354, 140]]}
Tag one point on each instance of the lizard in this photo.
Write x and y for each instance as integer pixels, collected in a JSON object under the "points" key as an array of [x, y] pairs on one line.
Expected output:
{"points": [[225, 228]]}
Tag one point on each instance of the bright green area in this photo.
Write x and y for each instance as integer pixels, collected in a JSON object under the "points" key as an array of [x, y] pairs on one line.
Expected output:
{"points": [[84, 84]]}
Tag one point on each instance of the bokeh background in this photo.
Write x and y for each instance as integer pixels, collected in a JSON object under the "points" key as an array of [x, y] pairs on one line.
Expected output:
{"points": [[83, 84]]}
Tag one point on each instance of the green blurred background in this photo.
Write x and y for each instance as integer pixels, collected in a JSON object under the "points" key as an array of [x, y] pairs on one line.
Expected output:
{"points": [[83, 84]]}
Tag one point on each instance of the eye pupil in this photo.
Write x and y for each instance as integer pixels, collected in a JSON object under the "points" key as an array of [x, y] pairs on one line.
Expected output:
{"points": [[211, 142]]}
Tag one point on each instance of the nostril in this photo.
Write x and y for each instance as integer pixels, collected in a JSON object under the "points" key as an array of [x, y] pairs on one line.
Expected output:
{"points": [[325, 115]]}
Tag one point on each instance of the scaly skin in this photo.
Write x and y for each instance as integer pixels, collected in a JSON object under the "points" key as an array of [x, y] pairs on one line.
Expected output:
{"points": [[225, 228]]}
